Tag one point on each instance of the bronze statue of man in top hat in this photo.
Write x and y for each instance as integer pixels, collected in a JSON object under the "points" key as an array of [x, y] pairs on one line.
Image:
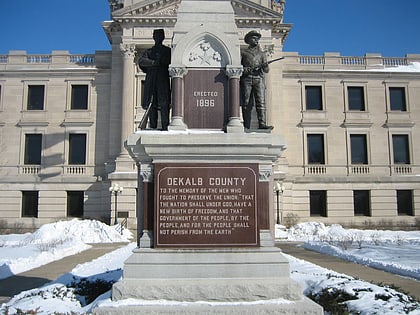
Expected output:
{"points": [[255, 65]]}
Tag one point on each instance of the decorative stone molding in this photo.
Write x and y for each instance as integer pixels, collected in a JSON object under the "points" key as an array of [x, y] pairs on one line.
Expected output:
{"points": [[170, 11], [269, 49], [146, 172], [115, 27], [278, 5], [265, 173], [205, 54]]}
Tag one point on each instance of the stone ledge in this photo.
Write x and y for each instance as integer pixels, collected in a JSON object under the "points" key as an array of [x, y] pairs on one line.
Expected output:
{"points": [[283, 307], [220, 290]]}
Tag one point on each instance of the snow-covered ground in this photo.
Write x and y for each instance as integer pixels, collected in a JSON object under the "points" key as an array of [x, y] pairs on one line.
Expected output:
{"points": [[22, 252], [396, 252]]}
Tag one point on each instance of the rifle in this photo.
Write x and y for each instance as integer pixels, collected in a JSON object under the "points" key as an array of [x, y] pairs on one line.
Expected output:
{"points": [[274, 60], [143, 121], [268, 62]]}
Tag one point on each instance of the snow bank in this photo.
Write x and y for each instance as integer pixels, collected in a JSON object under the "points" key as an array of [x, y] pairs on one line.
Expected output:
{"points": [[22, 252]]}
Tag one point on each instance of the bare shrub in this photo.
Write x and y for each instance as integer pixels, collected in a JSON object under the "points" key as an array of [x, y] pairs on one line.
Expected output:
{"points": [[50, 245], [345, 242], [398, 239], [375, 238], [369, 224], [385, 224], [417, 223], [358, 238]]}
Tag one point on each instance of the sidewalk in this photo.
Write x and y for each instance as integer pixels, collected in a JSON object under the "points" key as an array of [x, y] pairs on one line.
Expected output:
{"points": [[372, 275], [37, 277]]}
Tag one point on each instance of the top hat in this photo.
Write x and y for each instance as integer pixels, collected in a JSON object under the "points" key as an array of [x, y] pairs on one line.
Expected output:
{"points": [[250, 34]]}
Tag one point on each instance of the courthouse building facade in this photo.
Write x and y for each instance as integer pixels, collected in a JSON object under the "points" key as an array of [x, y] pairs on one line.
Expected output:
{"points": [[351, 125]]}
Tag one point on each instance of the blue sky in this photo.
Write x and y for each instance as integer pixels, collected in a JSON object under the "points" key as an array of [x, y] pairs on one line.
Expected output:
{"points": [[351, 27]]}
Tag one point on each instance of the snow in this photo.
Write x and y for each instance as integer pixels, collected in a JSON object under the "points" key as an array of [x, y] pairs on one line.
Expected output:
{"points": [[396, 252], [412, 67], [22, 252]]}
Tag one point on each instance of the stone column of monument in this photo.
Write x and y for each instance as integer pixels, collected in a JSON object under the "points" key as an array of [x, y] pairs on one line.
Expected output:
{"points": [[144, 205], [265, 218], [177, 74], [127, 115], [234, 122]]}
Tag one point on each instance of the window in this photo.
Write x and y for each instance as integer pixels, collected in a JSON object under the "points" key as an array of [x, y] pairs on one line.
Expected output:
{"points": [[316, 149], [313, 96], [77, 149], [33, 148], [75, 203], [356, 98], [405, 202], [401, 149], [79, 97], [35, 97], [361, 202], [318, 203], [358, 149], [30, 204], [397, 98]]}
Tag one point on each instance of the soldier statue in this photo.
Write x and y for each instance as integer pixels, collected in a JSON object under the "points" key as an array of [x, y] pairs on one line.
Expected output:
{"points": [[255, 65], [155, 63]]}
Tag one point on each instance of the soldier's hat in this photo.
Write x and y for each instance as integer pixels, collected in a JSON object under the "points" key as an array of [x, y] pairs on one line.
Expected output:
{"points": [[250, 34]]}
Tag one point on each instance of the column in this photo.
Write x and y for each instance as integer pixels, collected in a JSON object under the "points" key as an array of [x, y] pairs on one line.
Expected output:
{"points": [[127, 120], [234, 123], [265, 205], [144, 205], [177, 121]]}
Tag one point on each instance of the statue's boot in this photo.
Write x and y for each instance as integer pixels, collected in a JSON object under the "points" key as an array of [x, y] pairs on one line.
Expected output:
{"points": [[262, 120]]}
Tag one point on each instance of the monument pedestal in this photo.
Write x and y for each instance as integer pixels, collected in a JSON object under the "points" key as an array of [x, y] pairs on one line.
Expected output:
{"points": [[210, 281], [186, 273]]}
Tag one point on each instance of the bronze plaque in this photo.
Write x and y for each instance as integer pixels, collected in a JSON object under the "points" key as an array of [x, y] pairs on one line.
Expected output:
{"points": [[205, 99], [202, 205]]}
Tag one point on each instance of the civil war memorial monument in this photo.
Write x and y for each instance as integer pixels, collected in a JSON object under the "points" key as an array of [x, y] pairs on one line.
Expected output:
{"points": [[205, 223]]}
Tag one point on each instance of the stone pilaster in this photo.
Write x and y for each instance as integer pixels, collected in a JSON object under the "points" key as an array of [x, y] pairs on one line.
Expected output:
{"points": [[144, 213], [177, 74], [234, 122], [127, 119]]}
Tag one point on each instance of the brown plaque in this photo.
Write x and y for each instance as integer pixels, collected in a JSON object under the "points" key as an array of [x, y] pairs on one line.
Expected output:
{"points": [[205, 103], [202, 205]]}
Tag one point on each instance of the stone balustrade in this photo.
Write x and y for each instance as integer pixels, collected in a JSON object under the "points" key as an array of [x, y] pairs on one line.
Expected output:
{"points": [[58, 57], [329, 59], [336, 61]]}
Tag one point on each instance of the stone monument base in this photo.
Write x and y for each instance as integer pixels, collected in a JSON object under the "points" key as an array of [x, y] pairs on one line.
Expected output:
{"points": [[287, 308], [208, 281]]}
